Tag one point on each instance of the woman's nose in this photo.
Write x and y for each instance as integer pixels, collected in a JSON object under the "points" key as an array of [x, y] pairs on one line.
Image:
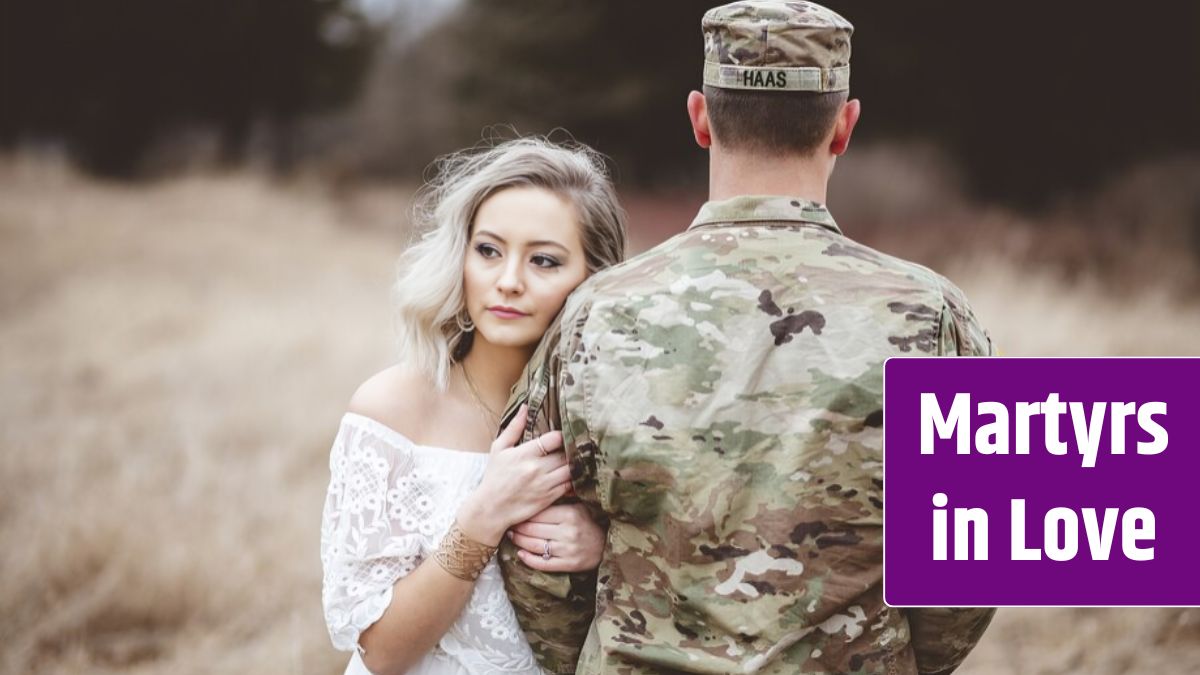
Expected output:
{"points": [[510, 280]]}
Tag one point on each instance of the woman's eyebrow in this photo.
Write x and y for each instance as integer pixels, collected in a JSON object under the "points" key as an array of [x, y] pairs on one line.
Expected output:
{"points": [[540, 242]]}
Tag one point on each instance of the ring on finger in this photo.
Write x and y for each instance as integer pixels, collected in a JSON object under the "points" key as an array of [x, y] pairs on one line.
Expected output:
{"points": [[546, 553], [541, 447]]}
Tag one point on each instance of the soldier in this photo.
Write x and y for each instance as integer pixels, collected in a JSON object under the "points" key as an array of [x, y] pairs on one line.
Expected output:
{"points": [[720, 398]]}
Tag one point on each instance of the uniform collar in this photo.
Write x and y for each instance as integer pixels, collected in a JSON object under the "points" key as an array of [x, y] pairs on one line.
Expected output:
{"points": [[764, 208]]}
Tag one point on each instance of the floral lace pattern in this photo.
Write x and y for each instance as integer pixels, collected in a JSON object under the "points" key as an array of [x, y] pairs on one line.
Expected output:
{"points": [[389, 503]]}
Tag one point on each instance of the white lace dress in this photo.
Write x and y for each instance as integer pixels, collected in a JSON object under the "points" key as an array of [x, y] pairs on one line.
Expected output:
{"points": [[390, 501]]}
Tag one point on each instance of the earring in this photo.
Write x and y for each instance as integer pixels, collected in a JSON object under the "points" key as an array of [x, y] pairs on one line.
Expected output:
{"points": [[464, 327]]}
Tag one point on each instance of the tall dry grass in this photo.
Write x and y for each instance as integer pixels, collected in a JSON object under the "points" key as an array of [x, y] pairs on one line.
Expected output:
{"points": [[175, 358]]}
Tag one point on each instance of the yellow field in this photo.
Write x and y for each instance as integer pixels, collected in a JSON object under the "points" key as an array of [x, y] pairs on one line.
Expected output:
{"points": [[175, 359]]}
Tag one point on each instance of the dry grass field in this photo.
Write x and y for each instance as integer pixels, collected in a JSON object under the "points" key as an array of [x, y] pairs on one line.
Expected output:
{"points": [[174, 359]]}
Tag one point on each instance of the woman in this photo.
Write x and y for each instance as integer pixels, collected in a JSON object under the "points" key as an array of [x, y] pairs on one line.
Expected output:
{"points": [[421, 489]]}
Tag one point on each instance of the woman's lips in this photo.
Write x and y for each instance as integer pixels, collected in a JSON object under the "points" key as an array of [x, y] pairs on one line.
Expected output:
{"points": [[505, 314]]}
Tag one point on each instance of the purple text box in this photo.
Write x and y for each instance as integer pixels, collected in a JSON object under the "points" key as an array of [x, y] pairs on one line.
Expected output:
{"points": [[1166, 483]]}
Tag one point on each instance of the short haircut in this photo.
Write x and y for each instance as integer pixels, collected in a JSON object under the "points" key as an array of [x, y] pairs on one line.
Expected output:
{"points": [[772, 122]]}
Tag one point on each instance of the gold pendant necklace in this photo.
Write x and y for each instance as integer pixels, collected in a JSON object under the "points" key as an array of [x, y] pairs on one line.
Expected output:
{"points": [[490, 417]]}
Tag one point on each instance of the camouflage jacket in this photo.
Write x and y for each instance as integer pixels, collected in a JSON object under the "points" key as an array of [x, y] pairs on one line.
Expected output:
{"points": [[720, 398]]}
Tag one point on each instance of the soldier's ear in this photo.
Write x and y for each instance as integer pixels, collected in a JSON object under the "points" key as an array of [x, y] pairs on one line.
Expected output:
{"points": [[697, 109], [843, 127]]}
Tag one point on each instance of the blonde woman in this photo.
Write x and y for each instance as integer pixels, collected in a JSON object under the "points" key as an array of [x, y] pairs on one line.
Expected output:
{"points": [[421, 489]]}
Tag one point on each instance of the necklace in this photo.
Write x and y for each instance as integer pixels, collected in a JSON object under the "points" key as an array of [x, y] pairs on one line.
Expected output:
{"points": [[490, 417]]}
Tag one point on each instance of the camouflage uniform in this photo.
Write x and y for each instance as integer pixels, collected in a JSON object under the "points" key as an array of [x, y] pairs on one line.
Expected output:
{"points": [[720, 398]]}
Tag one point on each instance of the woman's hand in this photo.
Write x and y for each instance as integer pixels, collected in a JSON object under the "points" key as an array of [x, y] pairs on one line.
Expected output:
{"points": [[519, 482], [576, 541]]}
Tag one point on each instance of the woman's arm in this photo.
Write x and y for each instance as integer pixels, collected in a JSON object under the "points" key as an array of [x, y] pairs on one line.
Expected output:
{"points": [[519, 482], [424, 605], [431, 599]]}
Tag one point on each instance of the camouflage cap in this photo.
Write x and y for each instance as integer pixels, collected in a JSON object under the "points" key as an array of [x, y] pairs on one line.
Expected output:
{"points": [[776, 46]]}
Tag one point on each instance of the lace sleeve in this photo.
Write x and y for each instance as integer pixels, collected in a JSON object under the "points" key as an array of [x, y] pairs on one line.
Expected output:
{"points": [[371, 534]]}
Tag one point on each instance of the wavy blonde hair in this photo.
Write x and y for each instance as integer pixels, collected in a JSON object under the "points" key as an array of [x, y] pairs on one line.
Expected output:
{"points": [[428, 291]]}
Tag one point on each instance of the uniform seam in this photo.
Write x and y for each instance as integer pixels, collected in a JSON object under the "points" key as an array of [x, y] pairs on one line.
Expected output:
{"points": [[585, 386], [940, 323], [749, 221]]}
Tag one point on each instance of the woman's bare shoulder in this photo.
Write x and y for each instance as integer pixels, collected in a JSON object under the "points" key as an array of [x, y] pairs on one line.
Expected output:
{"points": [[397, 397]]}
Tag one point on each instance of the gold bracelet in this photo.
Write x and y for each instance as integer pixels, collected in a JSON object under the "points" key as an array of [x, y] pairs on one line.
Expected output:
{"points": [[462, 556]]}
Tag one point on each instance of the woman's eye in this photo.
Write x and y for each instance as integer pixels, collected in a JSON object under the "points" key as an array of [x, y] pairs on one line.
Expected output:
{"points": [[545, 261], [486, 250]]}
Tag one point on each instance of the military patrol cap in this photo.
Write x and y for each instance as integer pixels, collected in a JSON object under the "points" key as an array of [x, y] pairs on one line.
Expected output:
{"points": [[776, 46]]}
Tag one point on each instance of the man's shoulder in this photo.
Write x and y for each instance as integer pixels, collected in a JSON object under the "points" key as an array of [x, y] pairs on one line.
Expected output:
{"points": [[648, 270], [966, 336], [732, 253], [862, 260], [927, 277]]}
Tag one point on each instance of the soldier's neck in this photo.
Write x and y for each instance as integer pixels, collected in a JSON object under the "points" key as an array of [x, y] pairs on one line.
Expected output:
{"points": [[735, 174]]}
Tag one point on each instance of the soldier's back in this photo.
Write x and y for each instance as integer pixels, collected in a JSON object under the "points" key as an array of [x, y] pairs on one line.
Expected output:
{"points": [[730, 382]]}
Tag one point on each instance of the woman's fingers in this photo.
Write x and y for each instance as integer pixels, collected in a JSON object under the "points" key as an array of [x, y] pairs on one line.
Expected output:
{"points": [[555, 514], [512, 433], [560, 475], [546, 444], [537, 545], [539, 530], [554, 564], [552, 440]]}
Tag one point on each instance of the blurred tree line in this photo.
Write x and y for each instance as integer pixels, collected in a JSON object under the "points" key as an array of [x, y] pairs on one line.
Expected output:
{"points": [[1032, 98], [111, 79]]}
